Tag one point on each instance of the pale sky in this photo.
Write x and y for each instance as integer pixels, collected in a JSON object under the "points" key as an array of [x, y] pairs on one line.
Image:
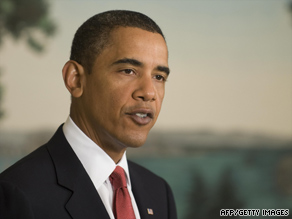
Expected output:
{"points": [[231, 66]]}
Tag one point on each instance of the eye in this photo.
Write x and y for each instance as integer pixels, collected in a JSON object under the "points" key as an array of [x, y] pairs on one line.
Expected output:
{"points": [[160, 78], [128, 71]]}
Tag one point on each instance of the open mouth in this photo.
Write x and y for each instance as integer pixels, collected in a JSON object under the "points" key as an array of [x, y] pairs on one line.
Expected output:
{"points": [[141, 117]]}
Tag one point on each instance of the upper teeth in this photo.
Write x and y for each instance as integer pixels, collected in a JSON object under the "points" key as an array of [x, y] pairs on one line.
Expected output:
{"points": [[141, 115]]}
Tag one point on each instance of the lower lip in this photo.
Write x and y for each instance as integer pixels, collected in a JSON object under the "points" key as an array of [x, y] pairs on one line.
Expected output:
{"points": [[140, 121]]}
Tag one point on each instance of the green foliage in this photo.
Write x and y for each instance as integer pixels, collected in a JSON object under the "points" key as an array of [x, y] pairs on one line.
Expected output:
{"points": [[198, 198], [27, 20], [226, 196], [205, 204]]}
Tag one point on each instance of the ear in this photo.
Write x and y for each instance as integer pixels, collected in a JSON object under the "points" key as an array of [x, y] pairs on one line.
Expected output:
{"points": [[74, 78]]}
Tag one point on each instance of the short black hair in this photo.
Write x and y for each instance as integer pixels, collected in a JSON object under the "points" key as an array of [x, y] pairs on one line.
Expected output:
{"points": [[93, 35]]}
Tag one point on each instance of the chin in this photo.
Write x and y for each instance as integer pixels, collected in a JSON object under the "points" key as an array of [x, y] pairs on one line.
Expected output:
{"points": [[134, 141]]}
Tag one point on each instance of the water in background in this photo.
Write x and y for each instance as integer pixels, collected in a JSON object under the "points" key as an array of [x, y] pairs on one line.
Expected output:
{"points": [[227, 179]]}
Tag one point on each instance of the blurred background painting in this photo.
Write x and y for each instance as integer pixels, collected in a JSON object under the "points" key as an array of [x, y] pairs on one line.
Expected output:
{"points": [[224, 136]]}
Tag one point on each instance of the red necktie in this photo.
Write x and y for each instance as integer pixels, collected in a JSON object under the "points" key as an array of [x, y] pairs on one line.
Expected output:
{"points": [[122, 206]]}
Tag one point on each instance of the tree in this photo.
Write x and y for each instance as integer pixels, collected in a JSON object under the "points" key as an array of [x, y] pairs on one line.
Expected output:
{"points": [[26, 20], [226, 197], [206, 204], [198, 199]]}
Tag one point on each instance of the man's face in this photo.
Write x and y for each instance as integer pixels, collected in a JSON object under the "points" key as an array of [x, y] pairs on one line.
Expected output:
{"points": [[123, 93]]}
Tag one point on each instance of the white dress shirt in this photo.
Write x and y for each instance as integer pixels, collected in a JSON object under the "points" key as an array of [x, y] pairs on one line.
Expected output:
{"points": [[98, 165]]}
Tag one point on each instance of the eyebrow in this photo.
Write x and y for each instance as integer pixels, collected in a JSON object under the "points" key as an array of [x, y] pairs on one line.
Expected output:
{"points": [[164, 69], [137, 63], [128, 61]]}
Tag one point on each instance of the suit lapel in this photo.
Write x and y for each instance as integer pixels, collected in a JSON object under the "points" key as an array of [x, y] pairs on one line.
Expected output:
{"points": [[84, 201], [142, 194]]}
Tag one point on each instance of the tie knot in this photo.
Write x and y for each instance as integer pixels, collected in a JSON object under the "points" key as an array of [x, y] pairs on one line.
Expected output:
{"points": [[118, 178]]}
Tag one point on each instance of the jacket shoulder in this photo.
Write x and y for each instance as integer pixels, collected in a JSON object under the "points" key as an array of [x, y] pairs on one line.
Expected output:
{"points": [[30, 166], [142, 170], [36, 166], [150, 190], [148, 177]]}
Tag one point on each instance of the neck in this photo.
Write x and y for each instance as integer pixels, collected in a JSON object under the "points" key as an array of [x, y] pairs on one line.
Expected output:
{"points": [[115, 151]]}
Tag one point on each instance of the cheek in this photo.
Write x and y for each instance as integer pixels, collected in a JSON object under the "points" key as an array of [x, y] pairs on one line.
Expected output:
{"points": [[118, 97], [160, 93]]}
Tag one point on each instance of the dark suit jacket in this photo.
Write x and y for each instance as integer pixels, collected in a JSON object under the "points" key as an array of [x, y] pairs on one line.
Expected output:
{"points": [[51, 183]]}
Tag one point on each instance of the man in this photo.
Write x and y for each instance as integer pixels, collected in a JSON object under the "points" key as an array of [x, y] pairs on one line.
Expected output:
{"points": [[116, 77]]}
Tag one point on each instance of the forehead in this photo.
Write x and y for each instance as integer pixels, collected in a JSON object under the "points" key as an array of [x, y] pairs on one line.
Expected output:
{"points": [[132, 42]]}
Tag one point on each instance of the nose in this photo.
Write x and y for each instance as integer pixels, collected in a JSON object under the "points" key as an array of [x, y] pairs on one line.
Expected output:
{"points": [[145, 90]]}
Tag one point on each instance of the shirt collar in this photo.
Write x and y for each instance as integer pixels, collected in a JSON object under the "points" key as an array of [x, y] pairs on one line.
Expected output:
{"points": [[97, 163]]}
